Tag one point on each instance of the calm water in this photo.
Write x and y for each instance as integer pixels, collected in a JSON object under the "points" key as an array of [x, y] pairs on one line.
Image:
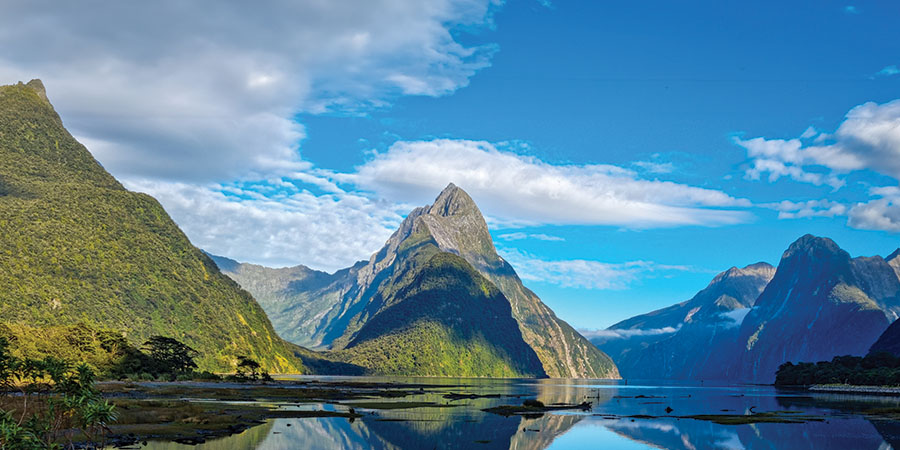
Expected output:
{"points": [[466, 426]]}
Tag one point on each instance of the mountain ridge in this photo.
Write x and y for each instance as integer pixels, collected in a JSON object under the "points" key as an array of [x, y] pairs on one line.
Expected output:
{"points": [[452, 224], [77, 248], [691, 325]]}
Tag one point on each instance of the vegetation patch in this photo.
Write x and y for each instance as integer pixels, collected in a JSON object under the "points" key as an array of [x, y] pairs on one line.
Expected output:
{"points": [[534, 407], [398, 405], [763, 417], [875, 369]]}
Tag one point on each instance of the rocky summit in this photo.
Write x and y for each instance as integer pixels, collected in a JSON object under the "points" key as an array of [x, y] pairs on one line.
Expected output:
{"points": [[344, 312]]}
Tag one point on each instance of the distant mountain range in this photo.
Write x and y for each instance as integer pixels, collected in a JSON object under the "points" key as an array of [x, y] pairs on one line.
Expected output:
{"points": [[664, 343], [819, 303], [78, 248], [437, 299]]}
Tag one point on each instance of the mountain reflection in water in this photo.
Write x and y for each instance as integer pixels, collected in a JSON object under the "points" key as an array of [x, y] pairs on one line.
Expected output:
{"points": [[607, 425]]}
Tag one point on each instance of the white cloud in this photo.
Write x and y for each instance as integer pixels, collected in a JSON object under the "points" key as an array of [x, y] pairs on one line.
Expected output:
{"points": [[881, 213], [810, 208], [517, 189], [735, 317], [888, 71], [586, 274], [520, 236], [868, 139], [627, 333], [654, 167], [277, 228], [782, 158], [207, 91]]}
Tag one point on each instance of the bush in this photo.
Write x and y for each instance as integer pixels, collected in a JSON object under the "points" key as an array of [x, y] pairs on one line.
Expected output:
{"points": [[56, 399]]}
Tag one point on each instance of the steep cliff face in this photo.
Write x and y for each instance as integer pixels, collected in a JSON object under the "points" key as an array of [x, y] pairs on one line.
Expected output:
{"points": [[894, 260], [352, 298], [77, 247], [820, 303], [672, 342]]}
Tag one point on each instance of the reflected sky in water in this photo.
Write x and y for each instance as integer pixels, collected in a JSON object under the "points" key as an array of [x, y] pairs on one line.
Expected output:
{"points": [[463, 424]]}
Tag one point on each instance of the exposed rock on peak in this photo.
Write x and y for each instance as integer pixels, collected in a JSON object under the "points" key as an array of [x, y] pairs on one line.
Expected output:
{"points": [[894, 260], [347, 304], [760, 269], [814, 248], [38, 86], [453, 201]]}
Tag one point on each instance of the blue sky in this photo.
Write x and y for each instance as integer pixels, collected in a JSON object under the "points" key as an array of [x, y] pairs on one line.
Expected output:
{"points": [[622, 153]]}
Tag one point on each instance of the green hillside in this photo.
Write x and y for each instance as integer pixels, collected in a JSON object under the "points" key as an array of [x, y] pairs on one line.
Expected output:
{"points": [[77, 247], [444, 319], [342, 311]]}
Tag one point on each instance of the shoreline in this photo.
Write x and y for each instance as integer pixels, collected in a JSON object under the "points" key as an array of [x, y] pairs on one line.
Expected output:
{"points": [[854, 389]]}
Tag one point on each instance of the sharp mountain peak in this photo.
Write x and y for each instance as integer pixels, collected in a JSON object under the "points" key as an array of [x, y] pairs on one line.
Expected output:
{"points": [[756, 269], [453, 201]]}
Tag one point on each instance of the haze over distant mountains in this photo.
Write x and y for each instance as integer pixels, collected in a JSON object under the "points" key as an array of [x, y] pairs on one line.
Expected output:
{"points": [[437, 279], [819, 303]]}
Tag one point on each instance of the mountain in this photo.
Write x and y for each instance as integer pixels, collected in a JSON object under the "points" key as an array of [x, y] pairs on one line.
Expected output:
{"points": [[821, 303], [671, 342], [894, 260], [373, 303], [294, 298], [78, 248]]}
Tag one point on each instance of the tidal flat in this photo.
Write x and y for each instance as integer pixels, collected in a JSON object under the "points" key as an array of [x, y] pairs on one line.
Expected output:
{"points": [[391, 412]]}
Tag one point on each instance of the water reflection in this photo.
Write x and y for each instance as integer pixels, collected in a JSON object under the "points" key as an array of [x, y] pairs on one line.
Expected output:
{"points": [[607, 425]]}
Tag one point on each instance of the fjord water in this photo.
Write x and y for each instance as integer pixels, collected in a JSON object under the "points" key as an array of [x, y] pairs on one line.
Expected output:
{"points": [[462, 424]]}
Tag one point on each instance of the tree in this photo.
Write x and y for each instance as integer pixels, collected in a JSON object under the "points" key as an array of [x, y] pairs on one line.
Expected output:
{"points": [[249, 370], [170, 357]]}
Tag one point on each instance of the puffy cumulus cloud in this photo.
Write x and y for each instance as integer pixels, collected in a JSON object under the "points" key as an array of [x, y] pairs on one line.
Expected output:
{"points": [[276, 224], [880, 213], [207, 91], [810, 208], [516, 189], [868, 138], [777, 158], [586, 274]]}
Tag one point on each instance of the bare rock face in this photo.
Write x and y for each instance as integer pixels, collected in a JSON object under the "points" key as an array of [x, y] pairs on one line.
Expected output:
{"points": [[820, 304], [673, 342], [458, 227], [342, 305], [894, 260]]}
